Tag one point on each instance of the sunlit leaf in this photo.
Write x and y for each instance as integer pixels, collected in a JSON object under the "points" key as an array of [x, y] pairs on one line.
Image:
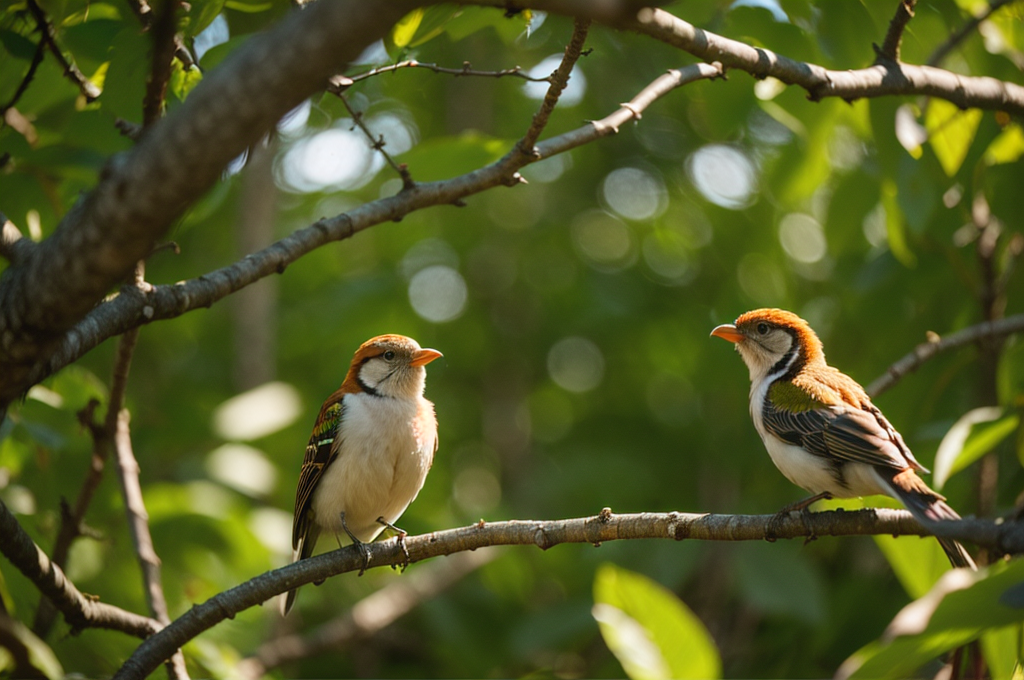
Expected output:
{"points": [[959, 608], [950, 131], [1002, 650], [652, 632], [404, 31], [966, 441], [1007, 147]]}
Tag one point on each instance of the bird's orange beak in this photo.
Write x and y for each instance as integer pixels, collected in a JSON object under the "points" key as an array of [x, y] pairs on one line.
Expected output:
{"points": [[727, 332], [424, 357]]}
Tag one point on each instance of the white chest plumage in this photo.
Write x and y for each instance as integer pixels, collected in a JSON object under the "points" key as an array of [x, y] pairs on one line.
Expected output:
{"points": [[808, 471], [385, 447]]}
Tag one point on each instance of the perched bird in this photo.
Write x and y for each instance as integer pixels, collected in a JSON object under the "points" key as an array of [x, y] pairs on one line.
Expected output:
{"points": [[819, 425], [370, 450]]}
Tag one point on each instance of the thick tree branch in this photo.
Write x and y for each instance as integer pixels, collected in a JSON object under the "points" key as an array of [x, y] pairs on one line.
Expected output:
{"points": [[13, 245], [880, 80], [961, 33], [145, 189], [935, 344], [369, 616], [133, 307], [80, 611], [890, 49], [547, 534]]}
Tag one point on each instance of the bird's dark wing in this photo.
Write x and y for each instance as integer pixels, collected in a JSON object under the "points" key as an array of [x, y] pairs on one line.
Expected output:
{"points": [[840, 434], [320, 452]]}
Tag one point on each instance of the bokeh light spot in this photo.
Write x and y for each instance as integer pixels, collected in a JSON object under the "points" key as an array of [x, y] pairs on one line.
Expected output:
{"points": [[724, 175], [576, 364], [242, 468], [438, 293], [260, 411], [634, 193], [802, 238], [603, 240], [574, 89], [476, 490]]}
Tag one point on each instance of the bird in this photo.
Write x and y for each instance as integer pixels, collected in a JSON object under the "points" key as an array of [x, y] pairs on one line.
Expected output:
{"points": [[372, 445], [819, 425]]}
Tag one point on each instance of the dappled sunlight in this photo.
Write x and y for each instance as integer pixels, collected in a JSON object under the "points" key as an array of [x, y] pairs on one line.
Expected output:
{"points": [[243, 468], [605, 242], [258, 412], [576, 364], [438, 293], [634, 194], [724, 175]]}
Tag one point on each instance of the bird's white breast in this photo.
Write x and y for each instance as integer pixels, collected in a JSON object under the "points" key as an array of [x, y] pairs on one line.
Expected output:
{"points": [[806, 470], [386, 447]]}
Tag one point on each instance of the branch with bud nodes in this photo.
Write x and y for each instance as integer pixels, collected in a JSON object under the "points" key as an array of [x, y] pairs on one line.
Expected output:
{"points": [[344, 82], [595, 530]]}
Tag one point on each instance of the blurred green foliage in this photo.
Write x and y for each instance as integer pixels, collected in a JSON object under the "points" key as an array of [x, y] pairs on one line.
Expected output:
{"points": [[573, 313]]}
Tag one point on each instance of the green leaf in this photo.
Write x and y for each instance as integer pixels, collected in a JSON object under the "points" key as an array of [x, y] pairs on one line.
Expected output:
{"points": [[200, 15], [218, 53], [1007, 147], [40, 657], [964, 443], [652, 632], [248, 7], [404, 31], [1002, 650], [959, 608], [125, 83], [182, 82], [950, 132]]}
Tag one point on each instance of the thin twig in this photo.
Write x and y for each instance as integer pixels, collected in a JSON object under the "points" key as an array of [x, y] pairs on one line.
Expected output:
{"points": [[368, 616], [37, 59], [935, 344], [961, 33], [133, 308], [88, 89], [377, 143], [467, 70], [163, 32], [559, 79], [138, 526], [594, 530], [102, 441], [81, 611], [890, 49]]}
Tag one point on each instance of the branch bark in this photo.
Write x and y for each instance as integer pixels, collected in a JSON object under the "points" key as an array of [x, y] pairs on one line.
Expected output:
{"points": [[595, 530], [134, 307], [894, 36], [926, 350], [369, 616], [80, 611], [879, 80], [144, 190]]}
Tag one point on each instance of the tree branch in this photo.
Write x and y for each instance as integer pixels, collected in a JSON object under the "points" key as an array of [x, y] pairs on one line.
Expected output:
{"points": [[37, 59], [80, 611], [369, 616], [890, 49], [961, 33], [559, 79], [142, 191], [133, 307], [71, 521], [926, 350], [880, 80], [346, 82], [13, 245], [89, 90], [377, 144], [163, 33], [547, 534], [138, 526]]}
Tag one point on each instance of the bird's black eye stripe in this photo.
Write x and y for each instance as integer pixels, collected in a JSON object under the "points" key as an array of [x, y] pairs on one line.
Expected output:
{"points": [[762, 328], [389, 355]]}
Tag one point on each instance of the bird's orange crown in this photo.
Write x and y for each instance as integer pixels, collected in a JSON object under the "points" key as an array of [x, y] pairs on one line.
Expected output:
{"points": [[805, 335]]}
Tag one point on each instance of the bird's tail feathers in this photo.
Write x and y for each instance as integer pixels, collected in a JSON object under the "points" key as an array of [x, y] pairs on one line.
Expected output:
{"points": [[928, 507], [302, 550]]}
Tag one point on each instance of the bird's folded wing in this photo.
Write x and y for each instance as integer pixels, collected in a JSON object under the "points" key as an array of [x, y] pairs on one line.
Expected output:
{"points": [[320, 452], [842, 434]]}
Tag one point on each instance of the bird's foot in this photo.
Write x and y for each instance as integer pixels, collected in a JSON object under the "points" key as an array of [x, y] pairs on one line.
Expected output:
{"points": [[774, 524], [401, 534], [363, 549]]}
